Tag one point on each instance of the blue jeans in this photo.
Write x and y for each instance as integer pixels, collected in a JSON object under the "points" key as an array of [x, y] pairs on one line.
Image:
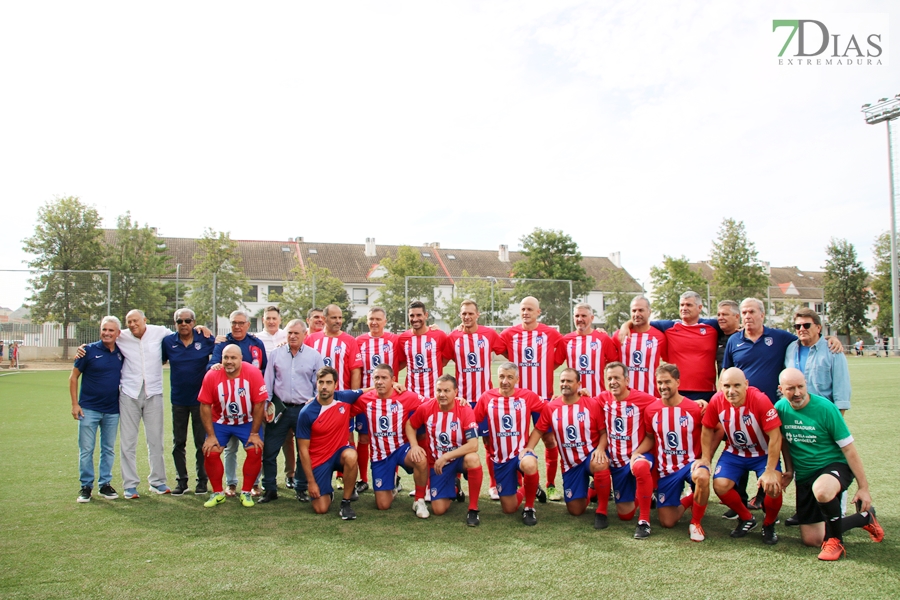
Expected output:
{"points": [[108, 423]]}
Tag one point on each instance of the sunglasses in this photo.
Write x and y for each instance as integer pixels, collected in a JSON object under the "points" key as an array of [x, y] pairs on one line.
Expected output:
{"points": [[180, 321], [799, 326]]}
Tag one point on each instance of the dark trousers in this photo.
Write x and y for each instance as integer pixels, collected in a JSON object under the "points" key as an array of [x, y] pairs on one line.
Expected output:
{"points": [[180, 417], [275, 435]]}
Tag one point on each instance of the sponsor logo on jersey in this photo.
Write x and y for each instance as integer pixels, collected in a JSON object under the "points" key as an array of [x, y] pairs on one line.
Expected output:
{"points": [[472, 359], [420, 361], [443, 439], [770, 414], [789, 437], [740, 438], [232, 409], [637, 358], [376, 360], [529, 353], [571, 433], [326, 360], [584, 361], [619, 425], [506, 422], [384, 423], [672, 440]]}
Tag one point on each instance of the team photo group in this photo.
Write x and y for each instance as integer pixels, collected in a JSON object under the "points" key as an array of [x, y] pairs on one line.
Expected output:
{"points": [[637, 417]]}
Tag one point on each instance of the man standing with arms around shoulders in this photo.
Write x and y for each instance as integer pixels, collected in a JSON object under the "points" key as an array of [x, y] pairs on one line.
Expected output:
{"points": [[826, 372], [820, 450], [643, 348], [422, 352], [97, 408], [315, 320], [233, 405]]}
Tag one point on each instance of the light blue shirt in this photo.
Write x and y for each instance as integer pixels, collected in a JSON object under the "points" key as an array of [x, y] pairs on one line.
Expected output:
{"points": [[292, 377], [827, 374]]}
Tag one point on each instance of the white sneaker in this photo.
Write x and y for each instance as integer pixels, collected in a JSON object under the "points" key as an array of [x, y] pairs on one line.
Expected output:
{"points": [[493, 493], [421, 509], [412, 493], [697, 534], [428, 494]]}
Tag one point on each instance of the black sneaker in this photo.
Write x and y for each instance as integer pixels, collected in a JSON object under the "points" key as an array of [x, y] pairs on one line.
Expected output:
{"points": [[528, 517], [730, 515], [180, 489], [347, 513], [601, 521], [769, 535], [289, 483], [84, 496], [472, 519], [460, 495], [107, 491], [397, 485], [355, 495], [268, 496], [201, 488], [792, 521], [744, 527], [642, 531], [541, 495], [361, 486], [303, 496], [653, 501]]}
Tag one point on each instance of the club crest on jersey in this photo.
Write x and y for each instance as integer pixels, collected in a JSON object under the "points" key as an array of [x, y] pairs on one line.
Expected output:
{"points": [[703, 331], [337, 350], [580, 417], [539, 340], [672, 440], [480, 343], [454, 425], [594, 345], [584, 361], [428, 345], [618, 494], [393, 409], [326, 360], [387, 346], [197, 345], [499, 488], [377, 483], [433, 492], [740, 438], [569, 493], [718, 469], [662, 498], [682, 421], [506, 422], [637, 358], [242, 392], [528, 353], [341, 409], [747, 419], [571, 433], [472, 359], [517, 404], [649, 343], [420, 361], [629, 411], [769, 341], [376, 360], [384, 423]]}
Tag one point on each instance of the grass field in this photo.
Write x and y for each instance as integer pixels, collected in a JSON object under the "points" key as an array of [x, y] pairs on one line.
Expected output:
{"points": [[52, 547]]}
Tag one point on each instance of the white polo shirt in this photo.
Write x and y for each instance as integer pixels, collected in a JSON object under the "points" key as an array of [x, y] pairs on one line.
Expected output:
{"points": [[143, 361], [270, 340]]}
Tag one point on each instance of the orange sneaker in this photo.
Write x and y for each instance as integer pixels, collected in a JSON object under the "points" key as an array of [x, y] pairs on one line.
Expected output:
{"points": [[832, 549], [874, 528]]}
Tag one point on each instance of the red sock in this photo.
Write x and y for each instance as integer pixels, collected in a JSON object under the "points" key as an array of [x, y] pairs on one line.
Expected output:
{"points": [[490, 465], [476, 476], [252, 465], [602, 483], [592, 495], [420, 492], [772, 506], [626, 516], [644, 494], [520, 495], [531, 486], [362, 451], [733, 501], [687, 501], [551, 456], [697, 512], [215, 470]]}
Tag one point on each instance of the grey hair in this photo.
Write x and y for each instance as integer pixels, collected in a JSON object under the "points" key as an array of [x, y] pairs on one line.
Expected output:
{"points": [[184, 310], [111, 319], [759, 304], [692, 294], [299, 322], [735, 308], [237, 312]]}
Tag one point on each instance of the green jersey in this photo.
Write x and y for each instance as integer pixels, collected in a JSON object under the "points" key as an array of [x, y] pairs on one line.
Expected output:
{"points": [[816, 433]]}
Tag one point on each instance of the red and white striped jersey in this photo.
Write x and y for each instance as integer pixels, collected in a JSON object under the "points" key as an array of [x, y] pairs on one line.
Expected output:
{"points": [[375, 351], [232, 400], [676, 430], [588, 354], [471, 353], [509, 420], [445, 431], [642, 353], [576, 427], [424, 359], [387, 418], [536, 354], [341, 353], [624, 424], [746, 425]]}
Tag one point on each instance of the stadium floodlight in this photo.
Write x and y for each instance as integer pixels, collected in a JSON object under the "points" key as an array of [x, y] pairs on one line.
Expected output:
{"points": [[885, 111]]}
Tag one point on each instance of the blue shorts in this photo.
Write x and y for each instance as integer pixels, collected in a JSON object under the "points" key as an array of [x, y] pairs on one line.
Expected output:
{"points": [[383, 471], [444, 485], [669, 488], [360, 424], [732, 467], [507, 476], [242, 432], [324, 472], [577, 481], [624, 483], [537, 415], [482, 425]]}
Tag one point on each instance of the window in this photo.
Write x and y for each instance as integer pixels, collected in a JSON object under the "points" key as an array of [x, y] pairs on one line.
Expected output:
{"points": [[360, 296], [426, 254], [819, 308], [451, 257], [275, 293], [252, 294], [313, 251]]}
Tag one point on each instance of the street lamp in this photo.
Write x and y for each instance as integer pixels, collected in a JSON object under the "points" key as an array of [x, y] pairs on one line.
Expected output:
{"points": [[885, 111]]}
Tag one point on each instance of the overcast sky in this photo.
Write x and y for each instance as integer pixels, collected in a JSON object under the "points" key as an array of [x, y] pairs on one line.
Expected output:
{"points": [[632, 126]]}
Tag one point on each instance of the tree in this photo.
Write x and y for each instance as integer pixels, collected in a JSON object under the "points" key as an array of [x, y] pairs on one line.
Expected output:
{"points": [[66, 238], [670, 280], [393, 295], [137, 260], [784, 314], [218, 256], [738, 273], [881, 284], [314, 286], [552, 254], [617, 300], [483, 292], [845, 288]]}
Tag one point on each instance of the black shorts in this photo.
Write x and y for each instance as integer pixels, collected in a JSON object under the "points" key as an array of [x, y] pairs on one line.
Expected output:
{"points": [[808, 511]]}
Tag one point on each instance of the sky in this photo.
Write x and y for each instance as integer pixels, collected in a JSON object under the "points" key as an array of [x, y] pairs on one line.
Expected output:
{"points": [[632, 126]]}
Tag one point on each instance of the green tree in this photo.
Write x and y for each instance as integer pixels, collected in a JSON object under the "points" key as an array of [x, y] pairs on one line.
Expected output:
{"points": [[552, 254], [408, 263], [67, 237], [617, 299], [784, 314], [314, 286], [482, 291], [137, 260], [738, 273], [881, 284], [845, 288], [218, 256], [671, 279]]}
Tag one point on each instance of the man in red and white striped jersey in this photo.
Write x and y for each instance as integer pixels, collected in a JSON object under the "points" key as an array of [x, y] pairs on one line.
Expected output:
{"points": [[534, 348], [232, 404], [422, 352], [643, 348], [577, 423], [752, 443], [338, 349]]}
